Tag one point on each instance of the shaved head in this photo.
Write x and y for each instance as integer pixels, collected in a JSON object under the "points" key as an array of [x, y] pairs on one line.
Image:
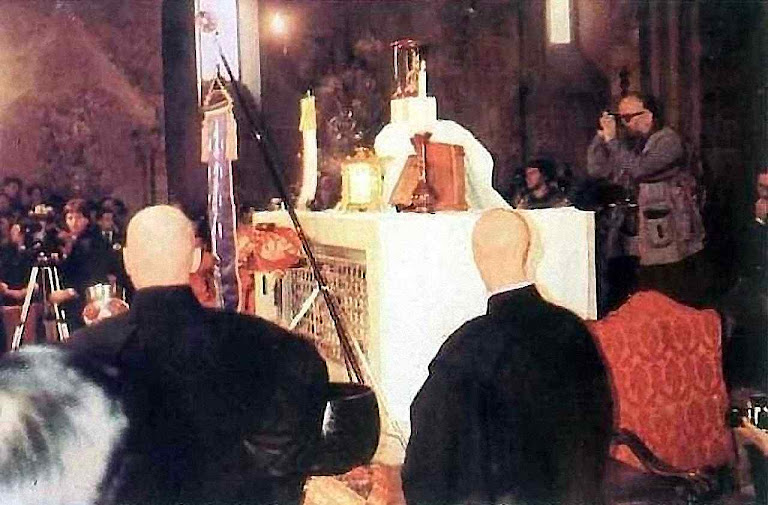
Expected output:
{"points": [[159, 249], [500, 243]]}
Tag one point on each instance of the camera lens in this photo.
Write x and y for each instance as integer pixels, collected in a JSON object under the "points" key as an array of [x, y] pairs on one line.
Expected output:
{"points": [[759, 410]]}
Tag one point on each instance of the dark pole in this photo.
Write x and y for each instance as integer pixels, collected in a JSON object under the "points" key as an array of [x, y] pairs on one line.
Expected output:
{"points": [[259, 132], [187, 179]]}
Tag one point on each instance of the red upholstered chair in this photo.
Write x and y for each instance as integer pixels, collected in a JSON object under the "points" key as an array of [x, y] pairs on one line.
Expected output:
{"points": [[665, 362]]}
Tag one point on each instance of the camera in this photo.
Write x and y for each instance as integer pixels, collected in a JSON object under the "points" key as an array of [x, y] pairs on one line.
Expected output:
{"points": [[756, 411], [41, 231], [620, 127]]}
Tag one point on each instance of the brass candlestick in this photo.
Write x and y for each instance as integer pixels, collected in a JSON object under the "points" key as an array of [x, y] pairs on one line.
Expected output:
{"points": [[423, 196]]}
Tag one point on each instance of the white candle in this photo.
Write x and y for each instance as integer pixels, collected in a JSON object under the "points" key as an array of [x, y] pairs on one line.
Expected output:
{"points": [[423, 79], [308, 127]]}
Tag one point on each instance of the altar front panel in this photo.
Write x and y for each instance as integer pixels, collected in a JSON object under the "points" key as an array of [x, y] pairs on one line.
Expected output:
{"points": [[421, 283]]}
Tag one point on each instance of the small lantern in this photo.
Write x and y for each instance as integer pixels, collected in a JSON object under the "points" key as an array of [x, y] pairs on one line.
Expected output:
{"points": [[361, 181]]}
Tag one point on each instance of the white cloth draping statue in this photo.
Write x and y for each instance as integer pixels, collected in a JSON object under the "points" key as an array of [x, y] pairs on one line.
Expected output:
{"points": [[393, 146]]}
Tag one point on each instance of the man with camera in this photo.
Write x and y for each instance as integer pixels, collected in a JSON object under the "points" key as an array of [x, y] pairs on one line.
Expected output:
{"points": [[634, 150], [86, 260]]}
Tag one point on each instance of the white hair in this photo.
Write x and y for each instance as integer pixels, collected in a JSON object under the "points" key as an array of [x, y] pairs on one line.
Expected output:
{"points": [[58, 430]]}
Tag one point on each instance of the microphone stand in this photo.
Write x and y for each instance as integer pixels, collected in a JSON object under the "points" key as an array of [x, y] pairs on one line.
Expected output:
{"points": [[354, 359], [258, 132]]}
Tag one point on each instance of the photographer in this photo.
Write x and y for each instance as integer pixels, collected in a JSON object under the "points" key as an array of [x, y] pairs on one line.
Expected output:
{"points": [[87, 260], [647, 159]]}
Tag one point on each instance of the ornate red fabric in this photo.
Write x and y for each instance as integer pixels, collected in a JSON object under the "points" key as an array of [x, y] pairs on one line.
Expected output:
{"points": [[665, 362], [267, 248], [263, 248]]}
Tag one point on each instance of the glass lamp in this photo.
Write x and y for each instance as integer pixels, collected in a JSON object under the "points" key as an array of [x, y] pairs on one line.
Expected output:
{"points": [[361, 181]]}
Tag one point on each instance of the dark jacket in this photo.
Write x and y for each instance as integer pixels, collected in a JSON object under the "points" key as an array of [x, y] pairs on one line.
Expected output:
{"points": [[554, 198], [224, 408], [516, 409], [15, 268], [91, 261]]}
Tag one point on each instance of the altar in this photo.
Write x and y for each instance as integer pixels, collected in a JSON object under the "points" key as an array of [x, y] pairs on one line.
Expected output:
{"points": [[405, 282]]}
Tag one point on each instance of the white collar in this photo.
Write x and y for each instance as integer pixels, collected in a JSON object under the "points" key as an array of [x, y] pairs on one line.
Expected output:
{"points": [[509, 287]]}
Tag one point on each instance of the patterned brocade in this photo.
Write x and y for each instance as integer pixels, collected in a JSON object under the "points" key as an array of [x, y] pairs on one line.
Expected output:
{"points": [[665, 362]]}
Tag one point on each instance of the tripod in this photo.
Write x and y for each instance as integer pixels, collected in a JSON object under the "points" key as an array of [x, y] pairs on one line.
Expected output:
{"points": [[47, 271]]}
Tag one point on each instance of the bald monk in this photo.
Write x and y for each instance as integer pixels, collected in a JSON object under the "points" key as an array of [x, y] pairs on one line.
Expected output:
{"points": [[224, 408], [516, 408]]}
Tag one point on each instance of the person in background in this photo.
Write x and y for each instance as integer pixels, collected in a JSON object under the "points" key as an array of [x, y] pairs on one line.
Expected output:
{"points": [[105, 220], [6, 209], [12, 188], [761, 205], [15, 267], [756, 440], [87, 260], [648, 160], [744, 307], [5, 229], [201, 278], [35, 196], [517, 407], [118, 209], [541, 189]]}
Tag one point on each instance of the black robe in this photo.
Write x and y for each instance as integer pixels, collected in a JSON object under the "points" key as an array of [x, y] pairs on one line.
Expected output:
{"points": [[517, 409], [223, 408], [91, 261]]}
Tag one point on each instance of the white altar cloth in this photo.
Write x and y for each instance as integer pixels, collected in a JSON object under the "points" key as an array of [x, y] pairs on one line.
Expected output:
{"points": [[422, 282]]}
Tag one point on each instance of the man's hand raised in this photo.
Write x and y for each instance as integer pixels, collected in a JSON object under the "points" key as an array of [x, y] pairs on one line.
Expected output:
{"points": [[607, 127]]}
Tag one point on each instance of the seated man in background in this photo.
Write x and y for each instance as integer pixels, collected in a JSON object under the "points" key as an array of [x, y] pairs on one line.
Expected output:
{"points": [[541, 189], [59, 428], [517, 407], [225, 408]]}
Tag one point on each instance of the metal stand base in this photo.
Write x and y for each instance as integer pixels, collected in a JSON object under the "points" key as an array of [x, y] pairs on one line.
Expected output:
{"points": [[48, 275]]}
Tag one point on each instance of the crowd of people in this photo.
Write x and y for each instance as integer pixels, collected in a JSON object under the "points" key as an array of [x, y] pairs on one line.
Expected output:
{"points": [[81, 239], [193, 405]]}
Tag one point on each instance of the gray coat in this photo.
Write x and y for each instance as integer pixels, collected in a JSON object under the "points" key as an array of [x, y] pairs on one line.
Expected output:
{"points": [[669, 223]]}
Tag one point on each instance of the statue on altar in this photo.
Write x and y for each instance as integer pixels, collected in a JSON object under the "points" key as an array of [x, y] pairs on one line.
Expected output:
{"points": [[452, 149]]}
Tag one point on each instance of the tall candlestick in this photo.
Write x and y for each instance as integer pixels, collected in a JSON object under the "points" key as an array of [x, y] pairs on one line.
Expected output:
{"points": [[423, 79], [308, 128]]}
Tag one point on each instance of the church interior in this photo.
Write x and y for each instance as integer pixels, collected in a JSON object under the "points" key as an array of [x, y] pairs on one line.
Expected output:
{"points": [[385, 129]]}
